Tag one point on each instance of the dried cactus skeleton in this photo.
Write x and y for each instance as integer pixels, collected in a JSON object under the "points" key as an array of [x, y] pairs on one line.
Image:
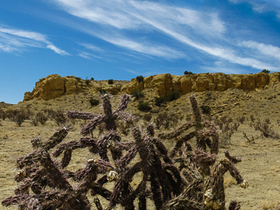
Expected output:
{"points": [[180, 179], [202, 170]]}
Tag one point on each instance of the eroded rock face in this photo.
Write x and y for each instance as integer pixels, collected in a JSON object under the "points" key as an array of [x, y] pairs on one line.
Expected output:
{"points": [[54, 86], [163, 84]]}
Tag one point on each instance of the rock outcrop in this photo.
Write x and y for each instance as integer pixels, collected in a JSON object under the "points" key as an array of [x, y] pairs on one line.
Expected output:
{"points": [[54, 86], [163, 84]]}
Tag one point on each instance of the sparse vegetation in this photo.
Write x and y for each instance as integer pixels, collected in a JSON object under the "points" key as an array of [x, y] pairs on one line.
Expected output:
{"points": [[166, 120], [110, 81], [205, 109], [93, 102], [265, 71], [101, 91], [137, 93], [60, 117], [144, 106], [140, 78], [174, 95], [266, 129], [187, 72], [2, 114], [159, 101], [41, 117], [19, 118]]}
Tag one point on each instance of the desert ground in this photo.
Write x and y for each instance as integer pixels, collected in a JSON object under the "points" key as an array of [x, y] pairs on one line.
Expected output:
{"points": [[260, 165]]}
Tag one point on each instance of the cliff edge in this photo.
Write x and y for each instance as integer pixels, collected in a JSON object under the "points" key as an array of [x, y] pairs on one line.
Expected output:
{"points": [[54, 86]]}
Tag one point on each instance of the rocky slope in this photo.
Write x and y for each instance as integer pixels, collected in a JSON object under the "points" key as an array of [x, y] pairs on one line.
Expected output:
{"points": [[54, 86]]}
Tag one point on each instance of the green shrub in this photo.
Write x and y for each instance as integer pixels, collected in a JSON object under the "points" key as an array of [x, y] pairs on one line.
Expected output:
{"points": [[110, 81], [140, 78], [144, 106], [93, 102], [174, 95], [265, 71], [137, 93], [159, 101], [101, 90], [187, 72], [205, 109], [87, 81]]}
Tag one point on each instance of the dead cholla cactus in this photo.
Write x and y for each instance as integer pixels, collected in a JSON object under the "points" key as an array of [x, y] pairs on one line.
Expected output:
{"points": [[205, 132], [200, 167], [109, 116], [205, 182], [161, 179], [185, 179], [43, 182]]}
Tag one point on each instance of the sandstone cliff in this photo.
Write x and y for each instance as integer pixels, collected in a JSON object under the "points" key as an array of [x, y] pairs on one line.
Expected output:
{"points": [[54, 86]]}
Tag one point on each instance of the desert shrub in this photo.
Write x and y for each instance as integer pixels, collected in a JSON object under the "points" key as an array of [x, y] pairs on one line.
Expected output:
{"points": [[265, 71], [110, 81], [159, 101], [252, 118], [41, 117], [166, 120], [101, 90], [140, 78], [137, 93], [144, 106], [60, 117], [93, 102], [174, 95], [241, 119], [18, 115], [205, 109], [34, 121], [266, 129], [187, 72], [11, 114], [147, 117], [88, 82], [19, 118], [2, 114], [49, 112], [249, 140], [184, 178], [267, 120], [227, 127]]}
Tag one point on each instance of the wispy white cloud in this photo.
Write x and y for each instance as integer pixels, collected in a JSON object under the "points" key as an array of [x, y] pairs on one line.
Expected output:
{"points": [[205, 32], [57, 50], [264, 49], [91, 47], [17, 40], [89, 56], [262, 6]]}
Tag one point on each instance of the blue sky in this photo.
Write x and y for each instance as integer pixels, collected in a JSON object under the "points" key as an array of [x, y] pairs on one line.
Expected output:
{"points": [[121, 39]]}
